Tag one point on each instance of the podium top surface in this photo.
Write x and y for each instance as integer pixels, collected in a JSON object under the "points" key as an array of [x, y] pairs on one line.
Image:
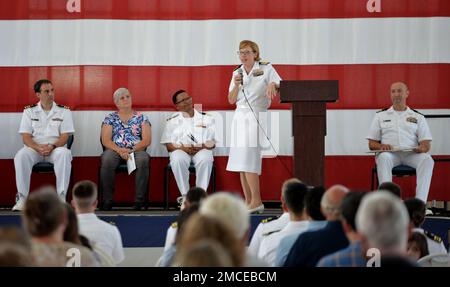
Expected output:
{"points": [[309, 91]]}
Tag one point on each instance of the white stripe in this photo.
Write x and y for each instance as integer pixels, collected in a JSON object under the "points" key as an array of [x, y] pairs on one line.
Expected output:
{"points": [[214, 42], [345, 135]]}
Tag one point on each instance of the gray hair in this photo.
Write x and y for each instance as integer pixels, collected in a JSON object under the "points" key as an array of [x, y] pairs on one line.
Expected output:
{"points": [[119, 92], [329, 206], [229, 209], [383, 219]]}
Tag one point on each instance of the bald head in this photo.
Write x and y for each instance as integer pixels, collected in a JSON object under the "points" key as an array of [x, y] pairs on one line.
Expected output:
{"points": [[331, 201]]}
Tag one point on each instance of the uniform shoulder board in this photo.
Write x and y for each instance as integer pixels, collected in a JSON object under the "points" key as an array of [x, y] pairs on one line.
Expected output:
{"points": [[385, 109], [433, 237], [271, 232], [205, 114], [416, 111], [237, 67], [264, 63], [30, 106], [63, 106], [174, 225], [172, 117], [269, 219]]}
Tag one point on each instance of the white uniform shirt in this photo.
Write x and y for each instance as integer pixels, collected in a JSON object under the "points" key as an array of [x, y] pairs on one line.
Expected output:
{"points": [[434, 247], [185, 130], [264, 228], [404, 130], [46, 128], [102, 234], [171, 234], [269, 244], [255, 85]]}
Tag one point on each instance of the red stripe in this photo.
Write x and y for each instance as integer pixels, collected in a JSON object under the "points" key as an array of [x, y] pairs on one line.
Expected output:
{"points": [[218, 9], [91, 87], [352, 171]]}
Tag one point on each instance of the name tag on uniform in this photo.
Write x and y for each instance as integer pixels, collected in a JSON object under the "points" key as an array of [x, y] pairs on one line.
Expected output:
{"points": [[200, 126], [257, 73], [411, 120], [36, 120], [57, 119], [386, 121]]}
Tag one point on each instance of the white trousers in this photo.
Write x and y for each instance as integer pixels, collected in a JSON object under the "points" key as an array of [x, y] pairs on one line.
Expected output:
{"points": [[422, 162], [203, 162], [27, 157]]}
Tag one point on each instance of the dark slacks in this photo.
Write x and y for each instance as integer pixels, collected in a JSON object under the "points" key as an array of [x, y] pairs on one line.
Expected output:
{"points": [[110, 161]]}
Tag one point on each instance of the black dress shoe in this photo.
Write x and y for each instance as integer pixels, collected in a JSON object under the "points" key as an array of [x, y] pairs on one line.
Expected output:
{"points": [[137, 206], [107, 206]]}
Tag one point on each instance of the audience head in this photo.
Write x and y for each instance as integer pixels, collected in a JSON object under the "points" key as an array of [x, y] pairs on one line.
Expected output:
{"points": [[312, 203], [293, 195], [44, 213], [331, 202], [417, 246], [14, 247], [204, 253], [202, 226], [230, 209], [194, 195], [416, 210], [383, 221], [391, 187], [349, 208], [84, 195]]}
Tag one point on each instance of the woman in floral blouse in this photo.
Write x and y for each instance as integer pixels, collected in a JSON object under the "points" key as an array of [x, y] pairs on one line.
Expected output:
{"points": [[123, 132]]}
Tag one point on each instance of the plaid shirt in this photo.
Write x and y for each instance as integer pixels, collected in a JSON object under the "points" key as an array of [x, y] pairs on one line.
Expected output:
{"points": [[350, 256]]}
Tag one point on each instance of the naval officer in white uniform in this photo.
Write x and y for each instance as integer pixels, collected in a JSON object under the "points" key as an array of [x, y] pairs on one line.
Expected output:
{"points": [[253, 86], [400, 128], [189, 136], [45, 129]]}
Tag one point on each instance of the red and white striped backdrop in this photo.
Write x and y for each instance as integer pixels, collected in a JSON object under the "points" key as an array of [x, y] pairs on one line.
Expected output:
{"points": [[155, 47]]}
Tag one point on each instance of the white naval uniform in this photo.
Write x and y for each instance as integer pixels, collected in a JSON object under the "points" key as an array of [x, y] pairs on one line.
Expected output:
{"points": [[245, 144], [185, 130], [434, 246], [171, 234], [265, 227], [44, 129], [403, 130], [270, 241]]}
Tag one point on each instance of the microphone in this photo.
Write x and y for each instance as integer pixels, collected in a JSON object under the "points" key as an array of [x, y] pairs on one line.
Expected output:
{"points": [[241, 73]]}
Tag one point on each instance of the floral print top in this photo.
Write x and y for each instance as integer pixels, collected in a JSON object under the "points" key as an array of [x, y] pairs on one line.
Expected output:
{"points": [[129, 134]]}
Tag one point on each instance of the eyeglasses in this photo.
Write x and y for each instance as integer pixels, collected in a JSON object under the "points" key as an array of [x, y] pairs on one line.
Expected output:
{"points": [[244, 53], [187, 100]]}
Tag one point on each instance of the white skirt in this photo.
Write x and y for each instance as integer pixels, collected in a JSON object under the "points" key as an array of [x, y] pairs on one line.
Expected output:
{"points": [[245, 149]]}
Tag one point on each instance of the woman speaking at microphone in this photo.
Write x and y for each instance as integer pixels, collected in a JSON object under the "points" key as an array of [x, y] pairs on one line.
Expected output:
{"points": [[253, 86]]}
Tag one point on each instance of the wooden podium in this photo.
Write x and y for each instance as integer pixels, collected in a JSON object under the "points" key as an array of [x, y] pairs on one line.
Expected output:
{"points": [[309, 125]]}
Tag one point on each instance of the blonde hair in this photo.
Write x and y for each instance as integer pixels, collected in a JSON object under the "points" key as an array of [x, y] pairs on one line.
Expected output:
{"points": [[253, 46]]}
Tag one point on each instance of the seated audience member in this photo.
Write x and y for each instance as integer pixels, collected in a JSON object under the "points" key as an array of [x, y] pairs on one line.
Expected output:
{"points": [[315, 218], [312, 245], [71, 234], [45, 219], [382, 220], [194, 196], [416, 210], [189, 136], [204, 253], [267, 226], [352, 256], [292, 199], [101, 234], [45, 128], [398, 128], [200, 227], [417, 246], [125, 132], [392, 187], [14, 247], [166, 258], [233, 212]]}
